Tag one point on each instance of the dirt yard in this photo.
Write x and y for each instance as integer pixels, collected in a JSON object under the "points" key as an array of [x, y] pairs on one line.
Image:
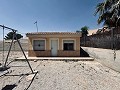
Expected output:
{"points": [[60, 75]]}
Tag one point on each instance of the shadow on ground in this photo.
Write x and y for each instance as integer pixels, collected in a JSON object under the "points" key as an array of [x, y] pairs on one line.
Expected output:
{"points": [[83, 53], [9, 87]]}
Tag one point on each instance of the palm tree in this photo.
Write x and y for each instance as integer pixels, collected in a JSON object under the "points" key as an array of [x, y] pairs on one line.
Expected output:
{"points": [[116, 9], [109, 12]]}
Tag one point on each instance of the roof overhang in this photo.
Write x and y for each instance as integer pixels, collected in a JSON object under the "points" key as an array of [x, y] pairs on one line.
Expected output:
{"points": [[53, 34]]}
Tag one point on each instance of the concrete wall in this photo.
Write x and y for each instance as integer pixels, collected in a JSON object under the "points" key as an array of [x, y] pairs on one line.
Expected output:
{"points": [[105, 56], [75, 53], [15, 46]]}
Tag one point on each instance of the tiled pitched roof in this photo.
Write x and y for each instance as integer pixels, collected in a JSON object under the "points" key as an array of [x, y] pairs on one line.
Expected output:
{"points": [[53, 33]]}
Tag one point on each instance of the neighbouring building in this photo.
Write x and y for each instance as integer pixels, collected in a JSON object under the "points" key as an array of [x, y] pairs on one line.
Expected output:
{"points": [[106, 37], [59, 44], [92, 32]]}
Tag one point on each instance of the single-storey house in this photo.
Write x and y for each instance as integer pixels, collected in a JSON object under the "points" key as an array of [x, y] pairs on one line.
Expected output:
{"points": [[46, 44]]}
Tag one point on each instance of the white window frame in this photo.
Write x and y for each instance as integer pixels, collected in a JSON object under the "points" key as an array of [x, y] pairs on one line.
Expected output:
{"points": [[38, 39], [69, 39]]}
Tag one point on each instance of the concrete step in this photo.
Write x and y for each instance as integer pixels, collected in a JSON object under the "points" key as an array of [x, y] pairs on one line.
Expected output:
{"points": [[58, 58]]}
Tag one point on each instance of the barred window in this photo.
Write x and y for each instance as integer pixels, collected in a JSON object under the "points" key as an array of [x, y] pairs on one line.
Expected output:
{"points": [[39, 45]]}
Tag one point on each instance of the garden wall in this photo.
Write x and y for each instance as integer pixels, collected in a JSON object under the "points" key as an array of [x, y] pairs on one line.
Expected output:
{"points": [[106, 57]]}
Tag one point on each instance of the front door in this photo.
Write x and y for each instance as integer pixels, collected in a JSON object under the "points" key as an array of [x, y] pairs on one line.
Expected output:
{"points": [[54, 47]]}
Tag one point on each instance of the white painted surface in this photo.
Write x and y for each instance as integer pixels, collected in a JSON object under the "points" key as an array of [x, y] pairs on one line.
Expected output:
{"points": [[54, 39], [57, 58], [105, 56], [54, 47]]}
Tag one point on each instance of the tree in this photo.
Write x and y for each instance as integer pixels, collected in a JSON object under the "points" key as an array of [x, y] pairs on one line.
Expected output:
{"points": [[84, 30], [109, 12], [10, 36]]}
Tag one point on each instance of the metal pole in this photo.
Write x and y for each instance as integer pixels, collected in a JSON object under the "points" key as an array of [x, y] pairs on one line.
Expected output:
{"points": [[14, 36], [23, 51], [31, 81], [9, 51], [3, 44], [36, 25], [8, 28], [112, 40]]}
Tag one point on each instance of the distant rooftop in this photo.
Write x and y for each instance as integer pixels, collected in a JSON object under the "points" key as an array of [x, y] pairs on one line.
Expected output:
{"points": [[91, 32]]}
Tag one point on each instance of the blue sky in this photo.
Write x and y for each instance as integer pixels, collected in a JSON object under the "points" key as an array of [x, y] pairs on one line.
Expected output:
{"points": [[51, 15]]}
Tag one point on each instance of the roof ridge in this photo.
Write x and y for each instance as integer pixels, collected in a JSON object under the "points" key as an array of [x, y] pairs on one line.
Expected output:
{"points": [[53, 33]]}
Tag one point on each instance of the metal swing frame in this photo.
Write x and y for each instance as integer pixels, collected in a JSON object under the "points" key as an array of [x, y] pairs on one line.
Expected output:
{"points": [[5, 66]]}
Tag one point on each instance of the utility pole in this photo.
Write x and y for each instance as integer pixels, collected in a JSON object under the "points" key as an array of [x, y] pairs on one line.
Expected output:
{"points": [[36, 25]]}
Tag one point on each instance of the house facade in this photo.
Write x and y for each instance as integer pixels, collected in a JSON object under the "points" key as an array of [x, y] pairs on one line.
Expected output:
{"points": [[46, 44]]}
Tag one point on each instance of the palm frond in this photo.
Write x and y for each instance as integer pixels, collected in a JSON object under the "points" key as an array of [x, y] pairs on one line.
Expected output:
{"points": [[108, 11]]}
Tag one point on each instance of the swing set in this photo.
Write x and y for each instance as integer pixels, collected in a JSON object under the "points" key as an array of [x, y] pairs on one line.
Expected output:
{"points": [[5, 66]]}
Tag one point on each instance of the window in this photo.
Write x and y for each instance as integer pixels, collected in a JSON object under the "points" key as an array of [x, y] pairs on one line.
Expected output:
{"points": [[39, 45], [68, 45]]}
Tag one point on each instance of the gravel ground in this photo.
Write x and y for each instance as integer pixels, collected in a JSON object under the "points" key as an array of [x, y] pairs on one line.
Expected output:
{"points": [[61, 75]]}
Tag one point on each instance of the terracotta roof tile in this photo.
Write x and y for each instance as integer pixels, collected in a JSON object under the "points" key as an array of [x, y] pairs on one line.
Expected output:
{"points": [[49, 33]]}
